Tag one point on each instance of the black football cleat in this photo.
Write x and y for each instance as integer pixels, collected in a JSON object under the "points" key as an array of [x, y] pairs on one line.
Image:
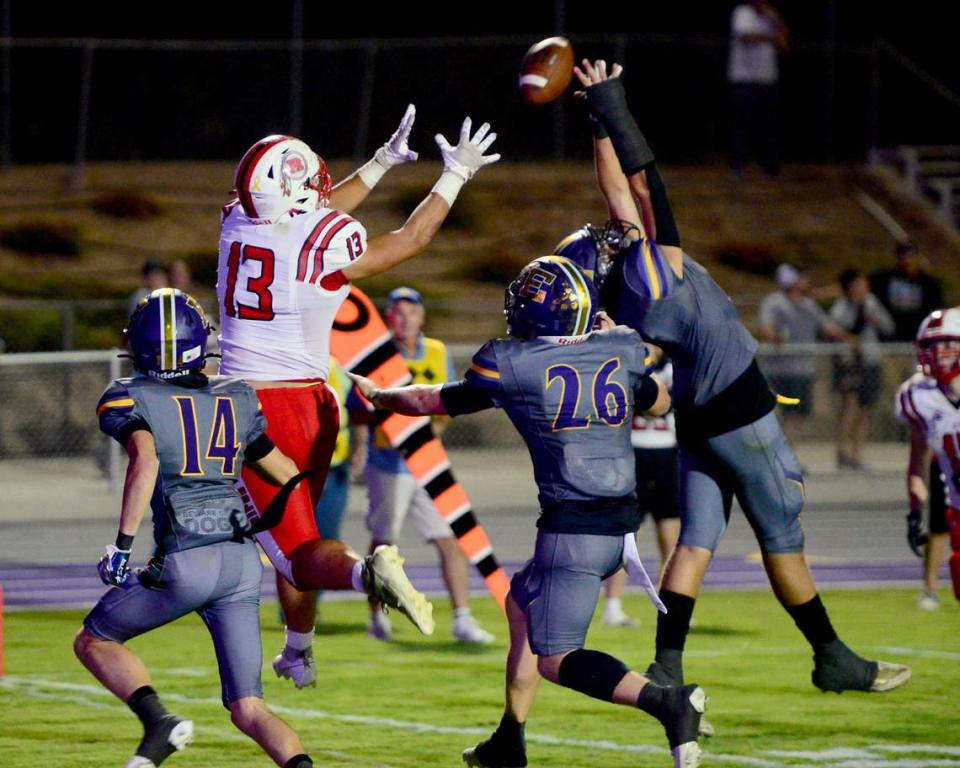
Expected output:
{"points": [[837, 669]]}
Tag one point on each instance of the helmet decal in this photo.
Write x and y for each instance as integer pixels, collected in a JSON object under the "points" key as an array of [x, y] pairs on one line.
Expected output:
{"points": [[550, 297], [280, 174]]}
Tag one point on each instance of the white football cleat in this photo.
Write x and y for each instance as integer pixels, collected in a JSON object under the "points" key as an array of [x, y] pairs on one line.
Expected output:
{"points": [[298, 666], [928, 601], [386, 582]]}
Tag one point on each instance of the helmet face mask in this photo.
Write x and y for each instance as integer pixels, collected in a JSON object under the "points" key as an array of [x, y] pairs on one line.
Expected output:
{"points": [[167, 335], [595, 249], [550, 297], [280, 174], [938, 348]]}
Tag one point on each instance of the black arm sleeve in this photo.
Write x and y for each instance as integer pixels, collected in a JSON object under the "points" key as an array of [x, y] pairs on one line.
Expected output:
{"points": [[645, 395], [129, 428], [258, 448], [460, 397], [667, 232]]}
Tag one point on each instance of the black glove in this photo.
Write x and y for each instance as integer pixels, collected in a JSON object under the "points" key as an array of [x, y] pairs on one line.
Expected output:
{"points": [[916, 535]]}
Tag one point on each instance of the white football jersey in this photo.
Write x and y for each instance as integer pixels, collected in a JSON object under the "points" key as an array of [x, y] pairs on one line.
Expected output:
{"points": [[279, 287], [658, 431], [921, 404]]}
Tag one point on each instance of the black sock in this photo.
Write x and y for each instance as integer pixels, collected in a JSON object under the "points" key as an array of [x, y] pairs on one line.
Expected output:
{"points": [[147, 705], [299, 761], [811, 618], [673, 626]]}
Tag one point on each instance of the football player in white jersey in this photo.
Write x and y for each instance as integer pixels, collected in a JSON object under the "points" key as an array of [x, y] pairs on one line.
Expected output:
{"points": [[929, 402], [288, 251]]}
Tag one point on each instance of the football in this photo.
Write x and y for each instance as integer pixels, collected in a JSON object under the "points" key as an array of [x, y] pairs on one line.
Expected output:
{"points": [[546, 70]]}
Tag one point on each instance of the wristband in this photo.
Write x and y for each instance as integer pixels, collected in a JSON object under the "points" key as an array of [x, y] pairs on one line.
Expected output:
{"points": [[372, 171], [448, 186], [124, 542]]}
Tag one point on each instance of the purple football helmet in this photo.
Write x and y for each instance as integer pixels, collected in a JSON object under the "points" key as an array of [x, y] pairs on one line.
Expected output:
{"points": [[167, 334], [594, 249], [550, 297]]}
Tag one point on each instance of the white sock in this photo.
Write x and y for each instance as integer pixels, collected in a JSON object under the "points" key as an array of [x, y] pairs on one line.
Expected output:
{"points": [[356, 578], [461, 613], [613, 607], [299, 641]]}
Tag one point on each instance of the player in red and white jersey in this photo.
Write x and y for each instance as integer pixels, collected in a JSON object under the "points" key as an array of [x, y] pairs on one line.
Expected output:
{"points": [[288, 251], [929, 402]]}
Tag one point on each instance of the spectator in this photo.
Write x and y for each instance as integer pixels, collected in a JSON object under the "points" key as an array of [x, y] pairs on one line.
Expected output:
{"points": [[180, 276], [907, 291], [153, 275], [790, 316], [857, 375], [757, 35], [394, 493]]}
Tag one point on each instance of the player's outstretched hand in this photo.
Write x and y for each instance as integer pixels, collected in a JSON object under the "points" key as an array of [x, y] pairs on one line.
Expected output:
{"points": [[114, 566], [468, 156], [396, 150], [590, 74], [916, 534], [365, 386], [603, 321]]}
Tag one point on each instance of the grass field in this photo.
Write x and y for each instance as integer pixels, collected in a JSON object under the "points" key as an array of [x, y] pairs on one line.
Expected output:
{"points": [[420, 701]]}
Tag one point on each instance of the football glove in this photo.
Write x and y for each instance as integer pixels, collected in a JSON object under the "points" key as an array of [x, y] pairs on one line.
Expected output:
{"points": [[114, 566], [467, 157], [916, 534], [395, 151]]}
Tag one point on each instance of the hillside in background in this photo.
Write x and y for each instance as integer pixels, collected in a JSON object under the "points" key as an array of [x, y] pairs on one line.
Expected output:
{"points": [[58, 243]]}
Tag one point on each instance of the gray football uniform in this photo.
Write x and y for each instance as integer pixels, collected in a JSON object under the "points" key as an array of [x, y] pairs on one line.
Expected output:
{"points": [[573, 403], [731, 443], [202, 561]]}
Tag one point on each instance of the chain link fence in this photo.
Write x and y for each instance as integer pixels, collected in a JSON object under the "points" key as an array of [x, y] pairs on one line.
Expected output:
{"points": [[49, 399]]}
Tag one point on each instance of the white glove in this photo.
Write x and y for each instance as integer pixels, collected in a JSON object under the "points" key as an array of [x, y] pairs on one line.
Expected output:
{"points": [[467, 157], [395, 151]]}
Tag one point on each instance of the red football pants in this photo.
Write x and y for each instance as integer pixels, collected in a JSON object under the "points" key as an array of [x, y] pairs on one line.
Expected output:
{"points": [[303, 423]]}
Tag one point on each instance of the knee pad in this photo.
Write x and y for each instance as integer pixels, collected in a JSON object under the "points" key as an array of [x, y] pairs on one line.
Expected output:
{"points": [[594, 673]]}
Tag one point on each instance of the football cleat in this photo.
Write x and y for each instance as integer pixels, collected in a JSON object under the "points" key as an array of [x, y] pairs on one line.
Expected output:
{"points": [[168, 735], [682, 724], [493, 753], [620, 620], [928, 601], [659, 675], [467, 629], [386, 582], [838, 669], [298, 666]]}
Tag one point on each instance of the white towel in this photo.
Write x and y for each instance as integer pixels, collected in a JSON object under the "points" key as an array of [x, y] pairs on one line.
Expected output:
{"points": [[631, 559]]}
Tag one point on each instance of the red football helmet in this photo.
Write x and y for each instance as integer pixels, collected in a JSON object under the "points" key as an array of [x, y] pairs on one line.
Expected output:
{"points": [[279, 174], [938, 345]]}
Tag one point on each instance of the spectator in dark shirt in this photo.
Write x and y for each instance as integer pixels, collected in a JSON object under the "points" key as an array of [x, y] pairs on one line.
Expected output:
{"points": [[907, 291]]}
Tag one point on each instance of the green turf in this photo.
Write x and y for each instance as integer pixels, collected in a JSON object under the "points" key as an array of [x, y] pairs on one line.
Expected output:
{"points": [[372, 697]]}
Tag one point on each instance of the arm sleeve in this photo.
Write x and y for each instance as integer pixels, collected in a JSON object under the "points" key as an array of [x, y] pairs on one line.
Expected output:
{"points": [[258, 448], [484, 373], [460, 397], [645, 393], [118, 413]]}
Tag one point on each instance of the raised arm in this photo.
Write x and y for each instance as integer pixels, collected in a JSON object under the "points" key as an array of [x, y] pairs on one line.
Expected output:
{"points": [[353, 190], [460, 162], [607, 102]]}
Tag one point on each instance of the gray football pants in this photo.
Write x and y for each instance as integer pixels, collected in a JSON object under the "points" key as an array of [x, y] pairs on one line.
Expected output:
{"points": [[221, 582], [754, 463]]}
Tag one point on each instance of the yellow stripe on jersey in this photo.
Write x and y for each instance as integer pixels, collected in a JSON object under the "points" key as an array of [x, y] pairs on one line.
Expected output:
{"points": [[126, 402], [652, 277], [485, 372]]}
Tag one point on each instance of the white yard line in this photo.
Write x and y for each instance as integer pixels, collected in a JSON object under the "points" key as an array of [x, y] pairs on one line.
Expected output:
{"points": [[866, 757]]}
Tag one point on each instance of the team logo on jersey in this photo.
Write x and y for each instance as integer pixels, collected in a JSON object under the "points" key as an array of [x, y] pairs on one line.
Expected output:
{"points": [[536, 284]]}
